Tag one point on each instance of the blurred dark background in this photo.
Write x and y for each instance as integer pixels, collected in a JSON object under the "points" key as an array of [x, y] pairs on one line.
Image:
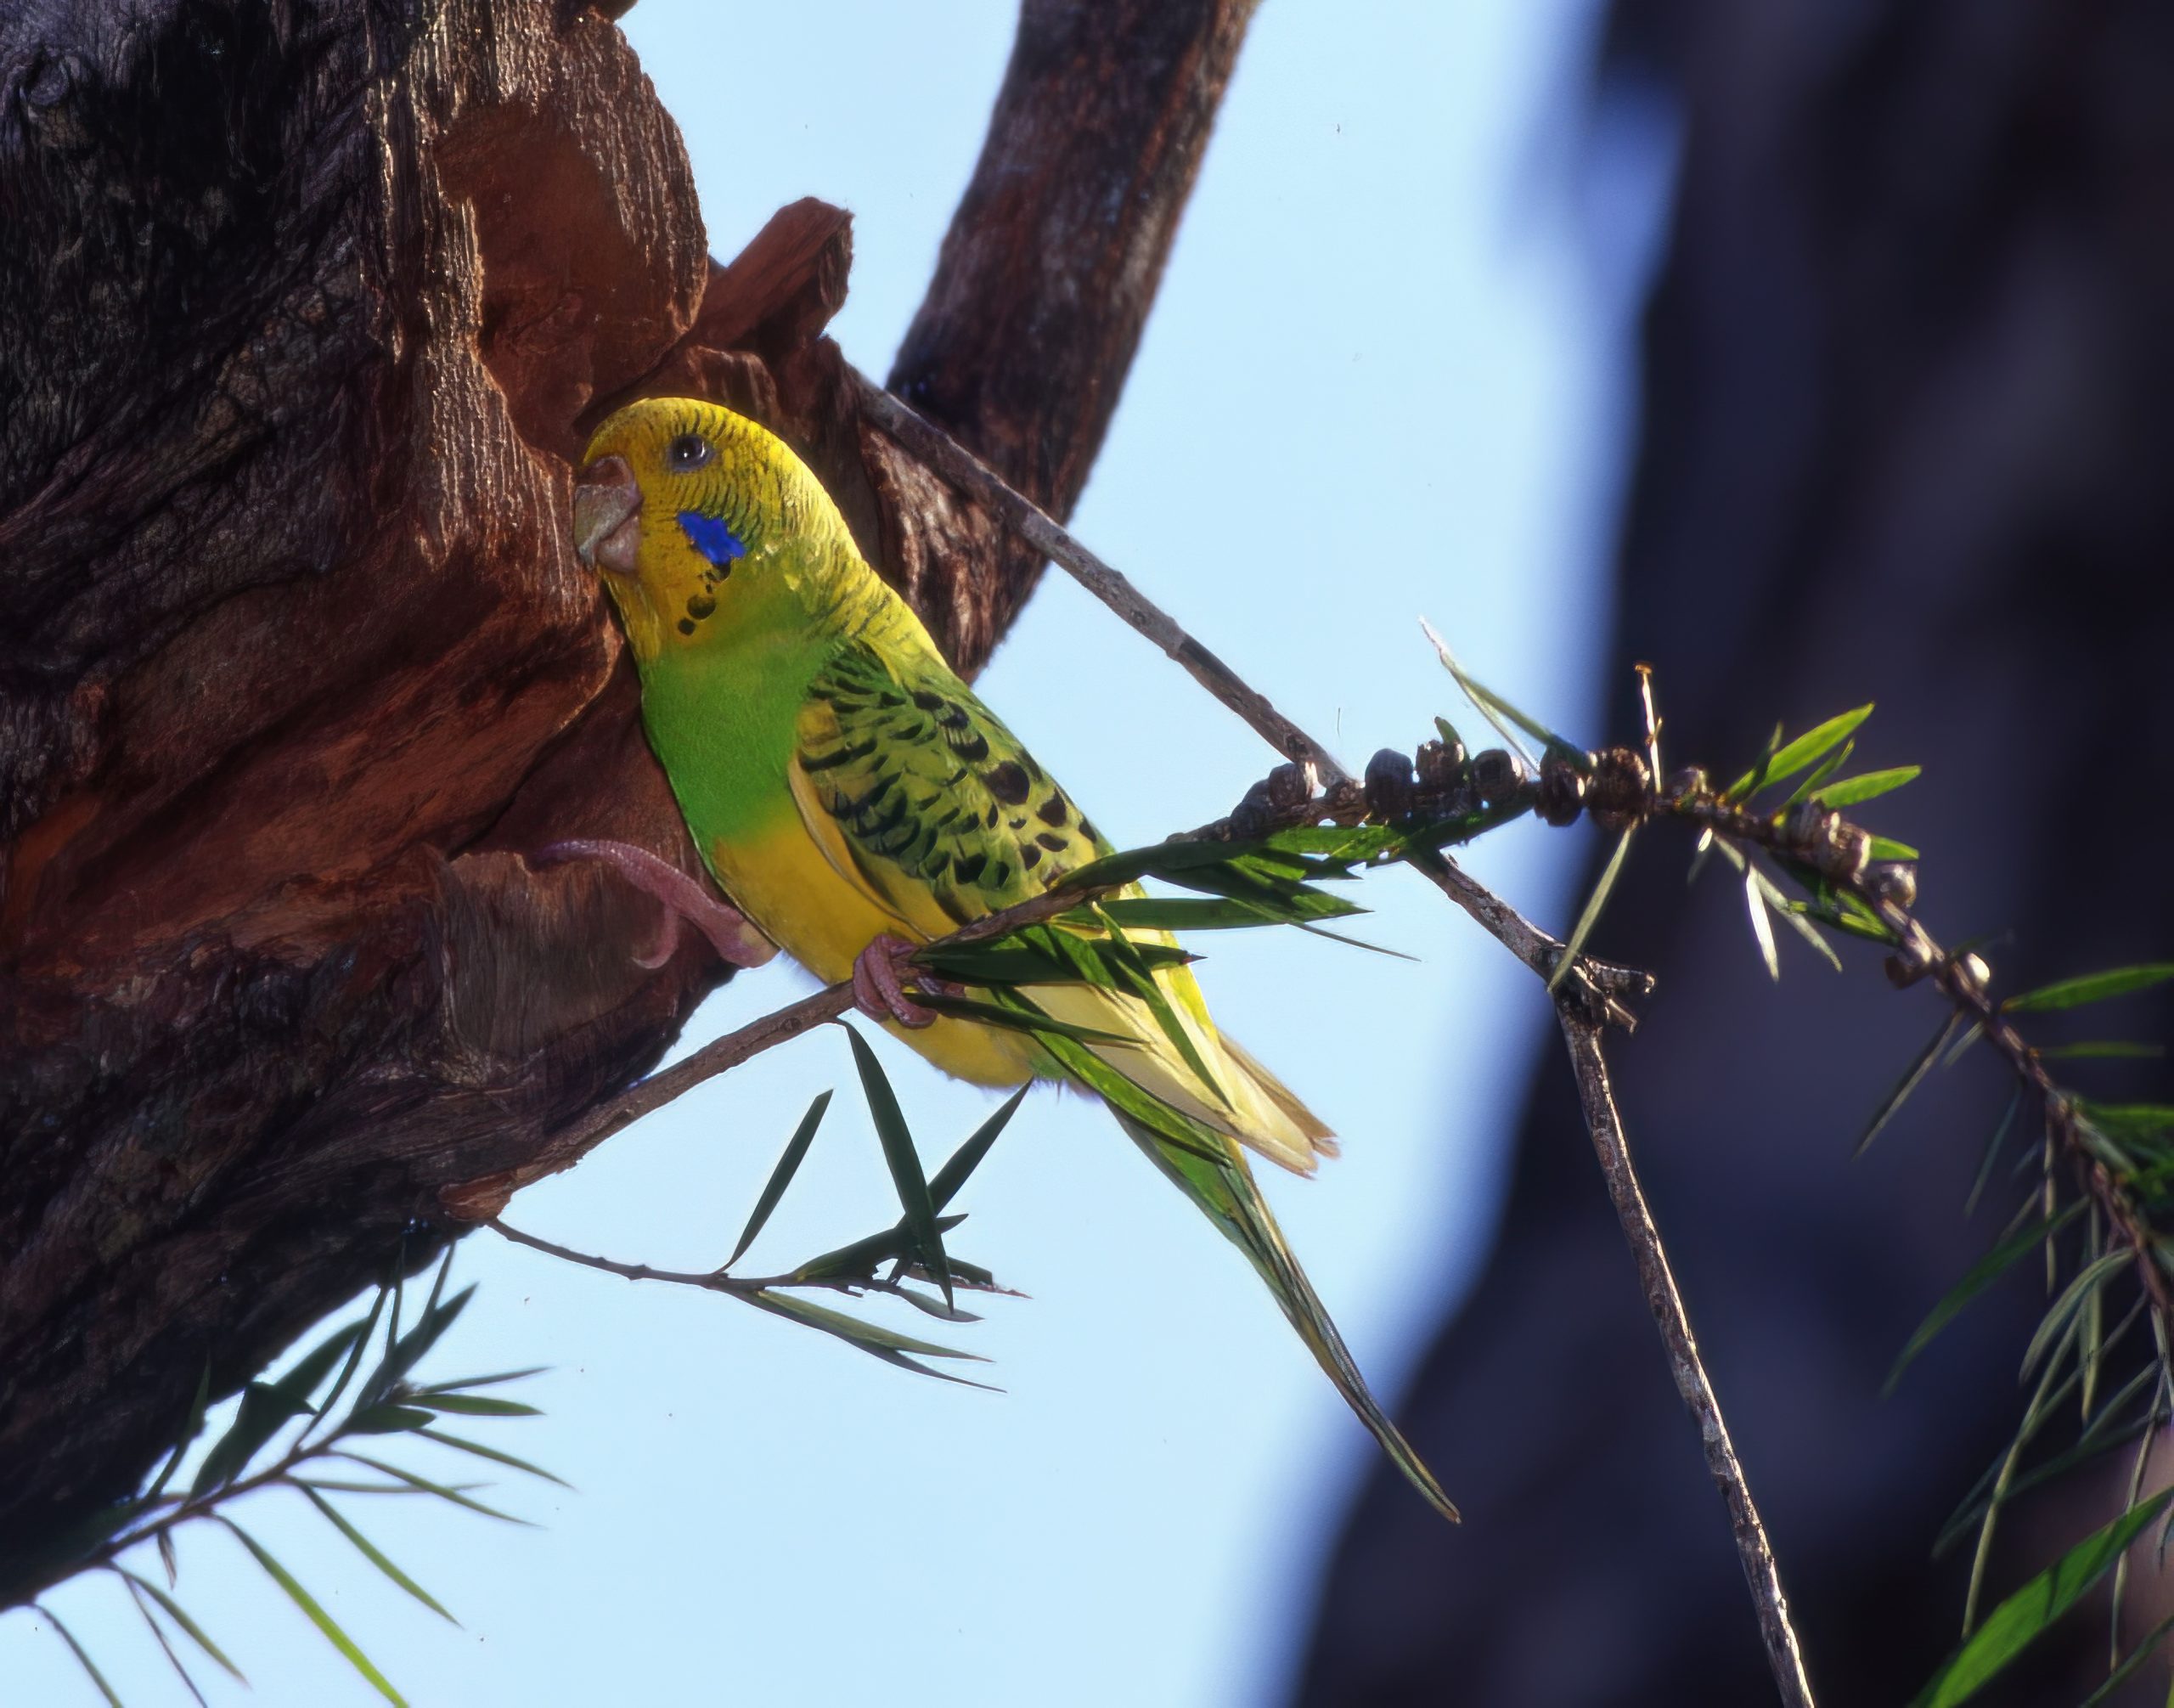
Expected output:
{"points": [[1906, 435]]}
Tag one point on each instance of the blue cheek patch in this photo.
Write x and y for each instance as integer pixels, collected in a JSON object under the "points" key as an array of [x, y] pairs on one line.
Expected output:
{"points": [[712, 537]]}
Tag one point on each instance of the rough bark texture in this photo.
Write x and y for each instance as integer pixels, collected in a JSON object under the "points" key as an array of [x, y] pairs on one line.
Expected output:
{"points": [[1906, 438], [304, 312]]}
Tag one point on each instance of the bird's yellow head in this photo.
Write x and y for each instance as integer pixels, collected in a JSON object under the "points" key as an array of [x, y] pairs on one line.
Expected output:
{"points": [[691, 516]]}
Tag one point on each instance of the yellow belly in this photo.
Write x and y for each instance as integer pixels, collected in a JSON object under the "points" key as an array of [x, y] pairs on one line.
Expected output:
{"points": [[780, 880]]}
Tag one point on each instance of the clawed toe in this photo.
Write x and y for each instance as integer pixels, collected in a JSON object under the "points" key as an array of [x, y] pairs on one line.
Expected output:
{"points": [[682, 897], [879, 977]]}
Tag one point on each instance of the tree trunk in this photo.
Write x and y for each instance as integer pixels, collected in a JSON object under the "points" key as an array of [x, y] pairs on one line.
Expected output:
{"points": [[1905, 434], [306, 311]]}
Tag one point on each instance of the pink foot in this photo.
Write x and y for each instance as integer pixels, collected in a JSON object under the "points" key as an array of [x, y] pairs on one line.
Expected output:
{"points": [[736, 942], [879, 976]]}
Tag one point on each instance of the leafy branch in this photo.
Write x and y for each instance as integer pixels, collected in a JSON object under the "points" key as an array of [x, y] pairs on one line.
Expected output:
{"points": [[284, 1436]]}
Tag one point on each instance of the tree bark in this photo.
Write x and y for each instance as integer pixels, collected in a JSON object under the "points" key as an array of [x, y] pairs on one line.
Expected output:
{"points": [[306, 311], [1905, 435]]}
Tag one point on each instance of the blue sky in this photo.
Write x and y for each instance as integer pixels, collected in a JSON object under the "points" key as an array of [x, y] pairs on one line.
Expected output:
{"points": [[1385, 377]]}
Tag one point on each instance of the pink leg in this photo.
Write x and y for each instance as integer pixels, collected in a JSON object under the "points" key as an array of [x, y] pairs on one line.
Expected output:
{"points": [[736, 942], [879, 983]]}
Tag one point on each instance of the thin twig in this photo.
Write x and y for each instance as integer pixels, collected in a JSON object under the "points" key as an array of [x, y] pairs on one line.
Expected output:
{"points": [[1605, 1126], [1034, 525]]}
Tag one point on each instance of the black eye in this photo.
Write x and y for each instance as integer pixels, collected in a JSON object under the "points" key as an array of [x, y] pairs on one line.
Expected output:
{"points": [[687, 453]]}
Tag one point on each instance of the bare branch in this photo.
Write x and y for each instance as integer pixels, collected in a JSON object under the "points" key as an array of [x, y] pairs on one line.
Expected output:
{"points": [[1605, 1127]]}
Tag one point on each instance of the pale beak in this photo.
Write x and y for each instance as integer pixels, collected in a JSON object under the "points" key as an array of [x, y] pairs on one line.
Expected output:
{"points": [[608, 515]]}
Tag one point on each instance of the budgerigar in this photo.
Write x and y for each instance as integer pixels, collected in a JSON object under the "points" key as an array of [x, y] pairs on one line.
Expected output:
{"points": [[854, 799]]}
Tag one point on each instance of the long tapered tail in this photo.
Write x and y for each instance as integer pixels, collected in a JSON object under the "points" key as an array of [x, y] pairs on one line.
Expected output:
{"points": [[1223, 1188]]}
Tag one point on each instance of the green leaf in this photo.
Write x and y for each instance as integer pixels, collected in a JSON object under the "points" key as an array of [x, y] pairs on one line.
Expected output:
{"points": [[355, 1353], [1886, 849], [1867, 787], [1762, 930], [1807, 749], [387, 1420], [2017, 1622], [1594, 903], [424, 1485], [482, 1381], [1818, 774], [476, 1405], [904, 1161], [173, 1611], [369, 1551], [1992, 1151], [267, 1407], [796, 1151], [989, 1014], [82, 1654], [1492, 705], [859, 1258], [1911, 1078], [962, 1162], [317, 1616], [495, 1455], [165, 1644], [2087, 1282], [2090, 987], [407, 1350], [192, 1426], [1982, 1274], [2105, 1049], [2133, 1122], [892, 1348], [1225, 913], [265, 1410]]}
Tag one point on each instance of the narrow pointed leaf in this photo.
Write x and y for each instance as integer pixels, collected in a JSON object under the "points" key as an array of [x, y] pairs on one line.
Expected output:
{"points": [[2017, 1622], [466, 1382], [444, 1491], [904, 1160], [1818, 775], [387, 1420], [1807, 749], [1590, 916], [1982, 1274], [495, 1455], [989, 1014], [317, 1616], [165, 1644], [265, 1409], [796, 1151], [868, 1337], [2001, 1129], [195, 1632], [2108, 1050], [2087, 1281], [1492, 705], [1868, 786], [962, 1162], [2135, 1122], [2090, 987], [477, 1406], [355, 1351], [1911, 1079], [82, 1655], [369, 1551], [1886, 849], [861, 1258], [191, 1428], [1761, 928]]}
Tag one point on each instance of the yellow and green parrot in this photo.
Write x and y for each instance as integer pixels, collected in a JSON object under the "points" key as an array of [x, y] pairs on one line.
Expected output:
{"points": [[854, 800]]}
